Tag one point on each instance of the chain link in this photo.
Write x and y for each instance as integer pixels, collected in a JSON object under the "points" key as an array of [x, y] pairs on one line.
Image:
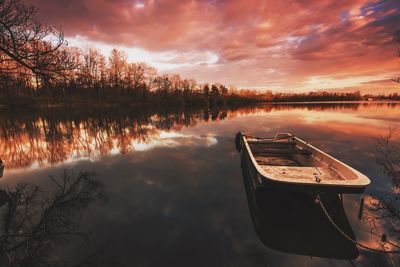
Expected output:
{"points": [[319, 201]]}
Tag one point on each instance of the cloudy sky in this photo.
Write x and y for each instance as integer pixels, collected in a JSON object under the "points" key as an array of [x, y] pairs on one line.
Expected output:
{"points": [[267, 44]]}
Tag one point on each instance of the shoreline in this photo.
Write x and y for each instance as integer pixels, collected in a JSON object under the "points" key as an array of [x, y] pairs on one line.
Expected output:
{"points": [[336, 102], [93, 106]]}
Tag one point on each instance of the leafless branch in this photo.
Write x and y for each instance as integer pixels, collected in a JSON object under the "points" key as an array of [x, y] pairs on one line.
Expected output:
{"points": [[27, 43]]}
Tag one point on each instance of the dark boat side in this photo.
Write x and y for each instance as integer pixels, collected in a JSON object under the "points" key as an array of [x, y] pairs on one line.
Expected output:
{"points": [[292, 222]]}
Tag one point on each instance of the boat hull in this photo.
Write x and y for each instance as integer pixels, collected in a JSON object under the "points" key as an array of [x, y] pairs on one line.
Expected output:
{"points": [[260, 180], [274, 211]]}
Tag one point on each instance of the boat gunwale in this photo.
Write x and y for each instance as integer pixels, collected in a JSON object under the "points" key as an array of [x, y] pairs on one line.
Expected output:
{"points": [[361, 181]]}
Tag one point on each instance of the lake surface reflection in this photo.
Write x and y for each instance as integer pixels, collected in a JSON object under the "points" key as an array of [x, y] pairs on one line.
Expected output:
{"points": [[176, 194]]}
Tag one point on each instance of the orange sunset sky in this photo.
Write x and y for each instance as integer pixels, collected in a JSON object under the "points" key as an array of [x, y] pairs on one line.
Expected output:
{"points": [[284, 45]]}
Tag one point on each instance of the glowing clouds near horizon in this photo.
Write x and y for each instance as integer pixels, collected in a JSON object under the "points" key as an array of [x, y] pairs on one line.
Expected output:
{"points": [[326, 82], [139, 5], [163, 61]]}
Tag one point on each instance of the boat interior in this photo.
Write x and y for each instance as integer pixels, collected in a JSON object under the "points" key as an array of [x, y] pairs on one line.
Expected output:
{"points": [[285, 159]]}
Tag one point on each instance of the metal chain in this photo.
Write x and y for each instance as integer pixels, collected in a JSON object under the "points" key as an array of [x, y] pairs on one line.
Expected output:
{"points": [[319, 201]]}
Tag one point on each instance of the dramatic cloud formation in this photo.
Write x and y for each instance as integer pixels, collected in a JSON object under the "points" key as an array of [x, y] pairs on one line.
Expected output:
{"points": [[286, 44]]}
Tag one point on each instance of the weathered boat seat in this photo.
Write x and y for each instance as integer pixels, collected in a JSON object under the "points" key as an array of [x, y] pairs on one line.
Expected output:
{"points": [[276, 160], [303, 173], [270, 142], [284, 151]]}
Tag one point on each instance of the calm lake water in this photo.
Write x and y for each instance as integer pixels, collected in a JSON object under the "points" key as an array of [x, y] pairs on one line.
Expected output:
{"points": [[170, 189]]}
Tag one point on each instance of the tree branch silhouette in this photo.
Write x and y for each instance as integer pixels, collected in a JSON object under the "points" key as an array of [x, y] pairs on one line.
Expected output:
{"points": [[25, 43]]}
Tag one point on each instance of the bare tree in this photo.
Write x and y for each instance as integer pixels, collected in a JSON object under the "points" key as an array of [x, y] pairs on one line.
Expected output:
{"points": [[117, 67], [26, 44], [388, 155], [89, 69], [384, 210], [396, 38]]}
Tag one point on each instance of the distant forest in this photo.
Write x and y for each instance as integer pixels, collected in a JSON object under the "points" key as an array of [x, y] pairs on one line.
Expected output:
{"points": [[321, 96], [38, 68]]}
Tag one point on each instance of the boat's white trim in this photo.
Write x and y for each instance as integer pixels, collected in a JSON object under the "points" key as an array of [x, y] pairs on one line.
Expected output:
{"points": [[360, 180]]}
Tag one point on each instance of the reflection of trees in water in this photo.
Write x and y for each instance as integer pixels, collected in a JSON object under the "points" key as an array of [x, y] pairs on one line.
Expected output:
{"points": [[57, 135], [34, 221], [52, 138], [332, 106], [318, 106]]}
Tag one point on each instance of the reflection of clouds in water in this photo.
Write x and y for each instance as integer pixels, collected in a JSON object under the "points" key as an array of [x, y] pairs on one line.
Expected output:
{"points": [[175, 139], [180, 205], [49, 140], [184, 198], [188, 208], [395, 119], [44, 141]]}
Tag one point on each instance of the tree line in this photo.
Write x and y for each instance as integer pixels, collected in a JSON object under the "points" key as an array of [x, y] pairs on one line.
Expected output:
{"points": [[325, 96], [312, 96], [36, 65], [106, 80]]}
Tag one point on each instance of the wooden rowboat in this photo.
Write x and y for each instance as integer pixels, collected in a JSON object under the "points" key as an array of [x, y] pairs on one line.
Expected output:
{"points": [[289, 162]]}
